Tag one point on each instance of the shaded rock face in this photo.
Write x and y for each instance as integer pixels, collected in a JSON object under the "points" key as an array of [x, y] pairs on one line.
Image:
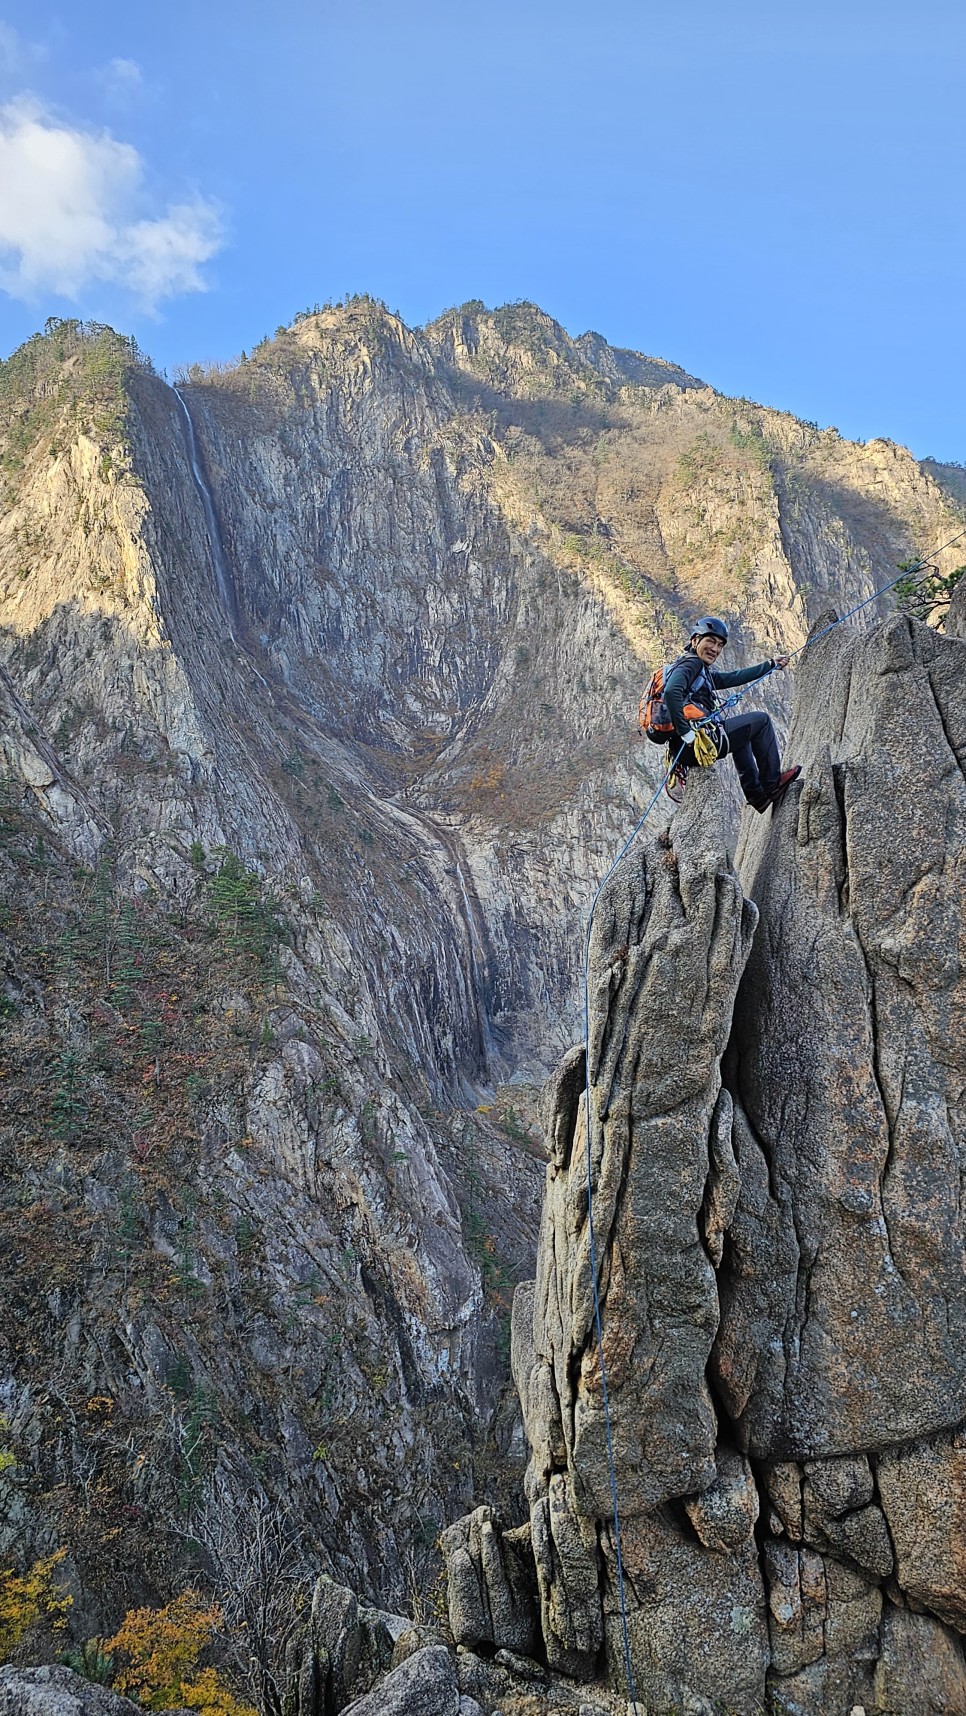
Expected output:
{"points": [[777, 1163]]}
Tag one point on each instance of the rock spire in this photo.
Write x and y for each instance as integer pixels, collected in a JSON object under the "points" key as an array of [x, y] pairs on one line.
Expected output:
{"points": [[777, 1153]]}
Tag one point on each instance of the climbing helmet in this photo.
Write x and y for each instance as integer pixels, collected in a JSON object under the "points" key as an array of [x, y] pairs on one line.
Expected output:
{"points": [[709, 627]]}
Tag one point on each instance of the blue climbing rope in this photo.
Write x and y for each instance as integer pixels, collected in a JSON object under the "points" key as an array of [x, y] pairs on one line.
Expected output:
{"points": [[728, 703]]}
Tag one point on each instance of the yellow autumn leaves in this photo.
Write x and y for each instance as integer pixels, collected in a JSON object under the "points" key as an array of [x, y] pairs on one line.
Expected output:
{"points": [[159, 1649], [162, 1647]]}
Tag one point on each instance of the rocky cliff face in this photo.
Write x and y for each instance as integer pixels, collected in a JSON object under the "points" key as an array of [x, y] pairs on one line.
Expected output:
{"points": [[776, 1157], [318, 683]]}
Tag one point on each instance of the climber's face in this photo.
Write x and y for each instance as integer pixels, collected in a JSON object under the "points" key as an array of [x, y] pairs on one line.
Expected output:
{"points": [[708, 648]]}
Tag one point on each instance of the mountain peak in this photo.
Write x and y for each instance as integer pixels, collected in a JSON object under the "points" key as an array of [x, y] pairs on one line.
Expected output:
{"points": [[518, 346]]}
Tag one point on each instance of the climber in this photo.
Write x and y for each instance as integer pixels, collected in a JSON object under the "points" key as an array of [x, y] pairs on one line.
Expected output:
{"points": [[749, 738]]}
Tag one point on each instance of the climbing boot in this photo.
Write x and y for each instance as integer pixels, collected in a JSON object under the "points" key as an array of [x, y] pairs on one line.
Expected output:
{"points": [[784, 782]]}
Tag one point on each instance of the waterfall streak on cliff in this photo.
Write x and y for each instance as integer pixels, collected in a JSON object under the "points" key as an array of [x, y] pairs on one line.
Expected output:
{"points": [[476, 972], [222, 575]]}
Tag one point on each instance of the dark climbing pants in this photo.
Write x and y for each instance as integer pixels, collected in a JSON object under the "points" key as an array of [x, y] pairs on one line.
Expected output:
{"points": [[752, 743]]}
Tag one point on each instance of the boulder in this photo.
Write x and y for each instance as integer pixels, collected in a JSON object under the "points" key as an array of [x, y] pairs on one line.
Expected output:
{"points": [[425, 1684], [54, 1691], [351, 1646], [490, 1583], [724, 1514], [840, 1516]]}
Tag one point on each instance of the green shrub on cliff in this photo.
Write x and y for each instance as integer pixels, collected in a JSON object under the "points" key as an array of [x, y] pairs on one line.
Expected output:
{"points": [[927, 592], [72, 377]]}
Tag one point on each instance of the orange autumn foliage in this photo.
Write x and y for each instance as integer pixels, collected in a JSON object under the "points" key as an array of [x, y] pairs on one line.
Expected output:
{"points": [[163, 1647]]}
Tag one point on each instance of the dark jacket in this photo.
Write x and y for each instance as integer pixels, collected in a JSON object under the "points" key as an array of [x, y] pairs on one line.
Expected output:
{"points": [[691, 681]]}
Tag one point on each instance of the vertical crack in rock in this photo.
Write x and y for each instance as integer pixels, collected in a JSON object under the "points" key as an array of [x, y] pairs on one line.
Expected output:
{"points": [[944, 724], [756, 1344], [875, 1028]]}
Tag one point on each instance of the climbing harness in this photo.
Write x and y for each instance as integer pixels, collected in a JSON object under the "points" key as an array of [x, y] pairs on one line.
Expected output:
{"points": [[673, 780]]}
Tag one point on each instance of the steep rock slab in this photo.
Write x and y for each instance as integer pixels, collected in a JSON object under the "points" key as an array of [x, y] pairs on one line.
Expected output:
{"points": [[844, 1302], [696, 1621], [403, 628], [923, 1490], [670, 938]]}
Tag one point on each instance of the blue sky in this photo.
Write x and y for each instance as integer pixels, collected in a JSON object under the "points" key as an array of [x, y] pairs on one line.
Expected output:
{"points": [[771, 196]]}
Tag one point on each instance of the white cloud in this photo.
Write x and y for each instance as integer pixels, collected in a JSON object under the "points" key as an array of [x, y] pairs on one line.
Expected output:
{"points": [[164, 256], [69, 207], [122, 81]]}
